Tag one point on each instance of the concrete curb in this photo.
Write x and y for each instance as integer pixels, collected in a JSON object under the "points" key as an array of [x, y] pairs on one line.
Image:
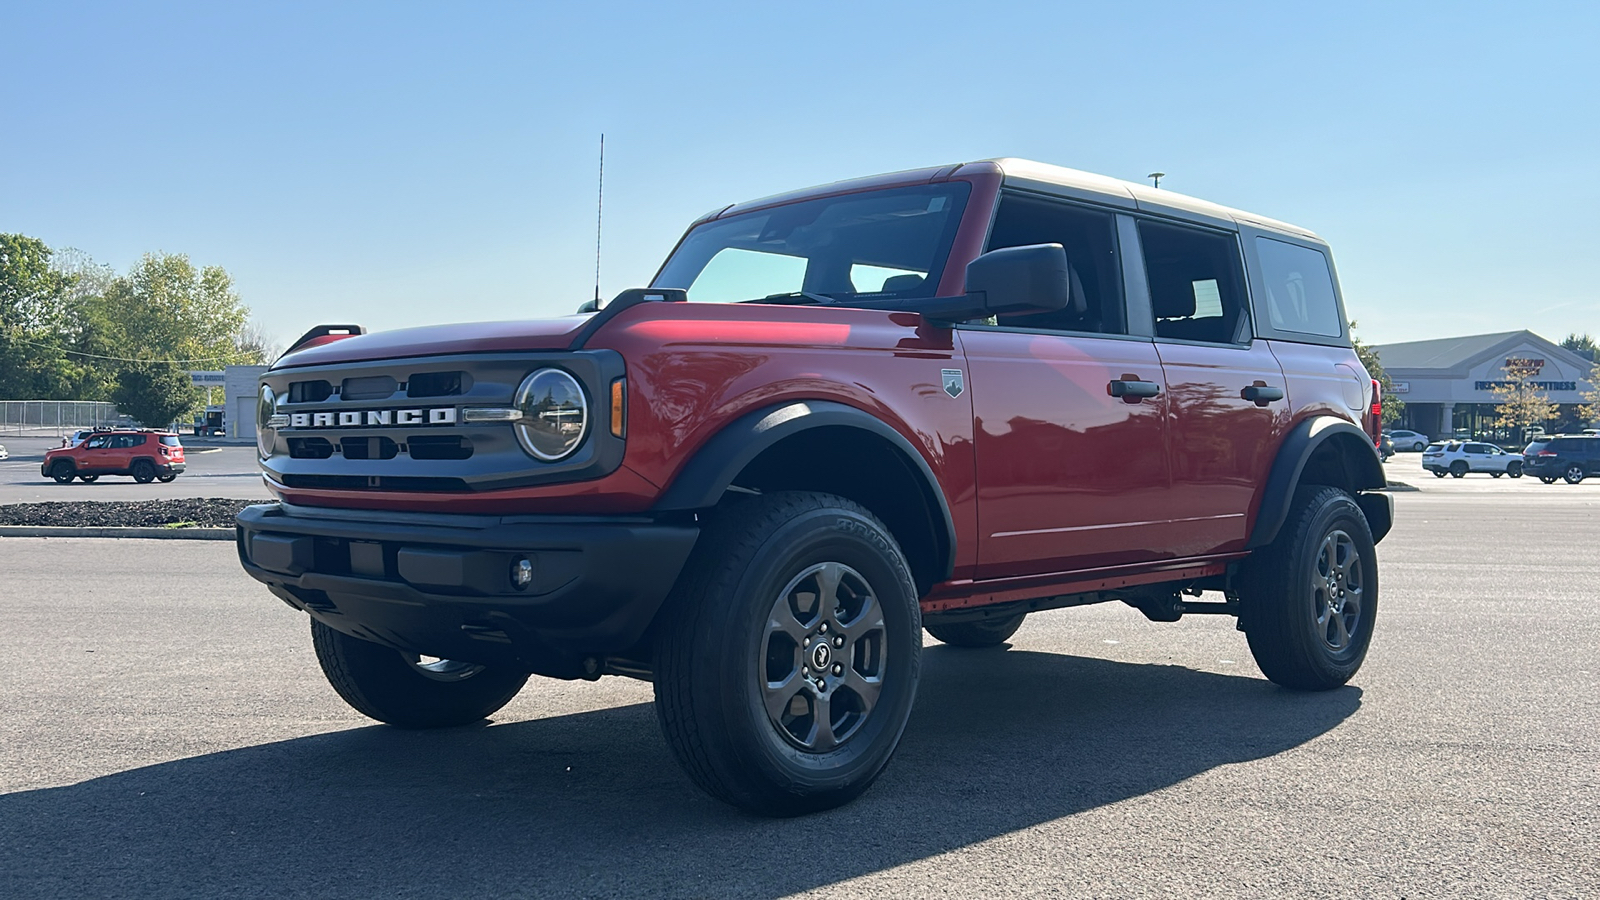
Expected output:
{"points": [[164, 534]]}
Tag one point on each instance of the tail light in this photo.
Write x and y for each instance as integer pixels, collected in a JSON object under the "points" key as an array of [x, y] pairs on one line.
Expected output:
{"points": [[1377, 412], [1546, 453]]}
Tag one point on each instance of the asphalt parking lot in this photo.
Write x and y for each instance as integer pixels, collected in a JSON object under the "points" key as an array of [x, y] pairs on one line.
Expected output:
{"points": [[213, 471], [167, 733]]}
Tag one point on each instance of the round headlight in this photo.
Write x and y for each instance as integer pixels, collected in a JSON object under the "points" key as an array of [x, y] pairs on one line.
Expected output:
{"points": [[266, 408], [555, 414]]}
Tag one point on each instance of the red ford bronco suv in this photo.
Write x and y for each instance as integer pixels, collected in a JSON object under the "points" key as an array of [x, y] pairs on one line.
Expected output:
{"points": [[145, 454], [941, 399]]}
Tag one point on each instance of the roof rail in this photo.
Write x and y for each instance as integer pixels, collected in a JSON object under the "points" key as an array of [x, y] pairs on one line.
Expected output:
{"points": [[316, 335]]}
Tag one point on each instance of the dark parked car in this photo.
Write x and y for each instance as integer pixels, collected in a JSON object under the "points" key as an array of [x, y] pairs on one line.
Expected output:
{"points": [[1572, 457]]}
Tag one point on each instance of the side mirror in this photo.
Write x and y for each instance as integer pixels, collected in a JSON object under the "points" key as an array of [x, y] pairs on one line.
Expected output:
{"points": [[1031, 278]]}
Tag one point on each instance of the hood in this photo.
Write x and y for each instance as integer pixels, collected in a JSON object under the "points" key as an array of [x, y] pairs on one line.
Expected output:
{"points": [[439, 340]]}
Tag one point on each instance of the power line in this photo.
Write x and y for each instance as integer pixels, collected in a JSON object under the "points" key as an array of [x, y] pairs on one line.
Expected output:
{"points": [[176, 362]]}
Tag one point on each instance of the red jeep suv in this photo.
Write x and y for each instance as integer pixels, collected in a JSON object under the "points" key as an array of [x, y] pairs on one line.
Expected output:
{"points": [[145, 454], [941, 399]]}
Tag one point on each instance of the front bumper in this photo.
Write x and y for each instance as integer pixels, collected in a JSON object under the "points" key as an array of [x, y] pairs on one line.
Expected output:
{"points": [[441, 585]]}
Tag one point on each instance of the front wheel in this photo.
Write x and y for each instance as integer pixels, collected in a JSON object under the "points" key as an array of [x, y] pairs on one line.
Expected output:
{"points": [[62, 471], [1308, 600], [1514, 470], [1574, 474], [981, 633], [405, 690], [788, 654], [1458, 469]]}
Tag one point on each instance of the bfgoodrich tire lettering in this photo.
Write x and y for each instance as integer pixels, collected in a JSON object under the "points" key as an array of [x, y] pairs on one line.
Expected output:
{"points": [[743, 623], [399, 689], [1309, 599]]}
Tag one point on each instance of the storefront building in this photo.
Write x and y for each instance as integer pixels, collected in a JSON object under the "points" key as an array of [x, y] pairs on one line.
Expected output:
{"points": [[1447, 384]]}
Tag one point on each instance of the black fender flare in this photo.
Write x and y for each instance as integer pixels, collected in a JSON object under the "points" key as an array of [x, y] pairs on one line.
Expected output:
{"points": [[1298, 447], [702, 482]]}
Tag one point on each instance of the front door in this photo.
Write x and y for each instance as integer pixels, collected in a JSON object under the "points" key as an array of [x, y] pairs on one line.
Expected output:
{"points": [[1070, 413]]}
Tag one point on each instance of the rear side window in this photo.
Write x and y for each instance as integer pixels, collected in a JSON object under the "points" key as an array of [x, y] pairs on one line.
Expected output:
{"points": [[124, 441], [171, 440], [1196, 288], [1299, 287], [1566, 445]]}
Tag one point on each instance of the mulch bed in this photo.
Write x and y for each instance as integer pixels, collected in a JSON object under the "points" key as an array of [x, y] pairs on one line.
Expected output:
{"points": [[131, 514]]}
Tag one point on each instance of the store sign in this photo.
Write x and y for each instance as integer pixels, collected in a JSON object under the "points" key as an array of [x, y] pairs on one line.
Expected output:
{"points": [[1541, 385], [1399, 387], [208, 379], [1531, 366]]}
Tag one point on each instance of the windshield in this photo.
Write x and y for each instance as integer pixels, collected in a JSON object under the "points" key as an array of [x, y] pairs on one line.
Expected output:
{"points": [[889, 243]]}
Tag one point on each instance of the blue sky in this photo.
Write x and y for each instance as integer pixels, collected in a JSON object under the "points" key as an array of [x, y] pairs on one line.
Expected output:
{"points": [[400, 164]]}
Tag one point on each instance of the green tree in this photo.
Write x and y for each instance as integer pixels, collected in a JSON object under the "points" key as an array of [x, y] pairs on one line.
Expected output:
{"points": [[1519, 404], [155, 393], [1392, 406], [1583, 345], [165, 308], [32, 320], [1590, 410]]}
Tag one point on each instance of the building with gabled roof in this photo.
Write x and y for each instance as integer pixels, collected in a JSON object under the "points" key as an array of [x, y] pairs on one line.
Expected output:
{"points": [[1447, 383]]}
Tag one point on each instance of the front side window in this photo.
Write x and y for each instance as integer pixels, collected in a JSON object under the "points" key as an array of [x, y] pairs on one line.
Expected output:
{"points": [[1094, 303], [882, 244], [1196, 289], [98, 443], [1299, 288]]}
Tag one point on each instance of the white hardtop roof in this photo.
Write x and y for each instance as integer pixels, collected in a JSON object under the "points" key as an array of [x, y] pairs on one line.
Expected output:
{"points": [[1086, 185]]}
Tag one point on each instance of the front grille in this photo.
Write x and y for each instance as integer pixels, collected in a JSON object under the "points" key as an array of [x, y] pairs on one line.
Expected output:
{"points": [[310, 448], [439, 447], [373, 387], [309, 391]]}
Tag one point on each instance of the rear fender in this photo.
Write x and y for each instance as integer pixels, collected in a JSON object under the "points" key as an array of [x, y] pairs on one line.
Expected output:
{"points": [[1324, 450]]}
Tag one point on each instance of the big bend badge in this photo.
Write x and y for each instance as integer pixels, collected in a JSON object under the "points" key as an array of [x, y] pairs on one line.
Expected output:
{"points": [[953, 382]]}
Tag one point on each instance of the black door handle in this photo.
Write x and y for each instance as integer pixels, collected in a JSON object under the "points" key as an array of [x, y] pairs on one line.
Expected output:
{"points": [[1261, 394], [1132, 390]]}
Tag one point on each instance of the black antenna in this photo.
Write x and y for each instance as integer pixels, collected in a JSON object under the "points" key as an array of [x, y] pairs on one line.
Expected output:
{"points": [[599, 212]]}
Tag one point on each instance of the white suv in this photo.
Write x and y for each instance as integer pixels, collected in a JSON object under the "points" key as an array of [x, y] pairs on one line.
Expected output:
{"points": [[1457, 458]]}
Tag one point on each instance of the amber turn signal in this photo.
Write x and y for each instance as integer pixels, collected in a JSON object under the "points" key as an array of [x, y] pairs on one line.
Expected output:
{"points": [[619, 408]]}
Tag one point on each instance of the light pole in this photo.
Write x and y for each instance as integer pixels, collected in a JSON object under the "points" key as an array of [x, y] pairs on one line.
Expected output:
{"points": [[1156, 177]]}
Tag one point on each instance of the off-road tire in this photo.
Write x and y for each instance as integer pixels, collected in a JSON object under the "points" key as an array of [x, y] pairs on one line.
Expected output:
{"points": [[143, 471], [976, 633], [715, 654], [1279, 588], [387, 685]]}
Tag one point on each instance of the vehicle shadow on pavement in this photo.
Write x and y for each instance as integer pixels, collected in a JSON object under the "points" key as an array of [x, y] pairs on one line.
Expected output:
{"points": [[592, 804]]}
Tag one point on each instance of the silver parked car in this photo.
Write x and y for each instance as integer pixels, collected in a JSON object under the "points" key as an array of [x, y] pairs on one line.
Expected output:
{"points": [[1414, 441]]}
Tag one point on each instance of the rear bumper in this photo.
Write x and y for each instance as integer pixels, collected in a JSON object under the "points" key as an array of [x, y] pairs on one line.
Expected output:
{"points": [[173, 468], [441, 585]]}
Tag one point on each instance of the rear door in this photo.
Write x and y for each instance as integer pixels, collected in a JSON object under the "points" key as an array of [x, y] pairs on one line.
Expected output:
{"points": [[1070, 412], [1228, 408]]}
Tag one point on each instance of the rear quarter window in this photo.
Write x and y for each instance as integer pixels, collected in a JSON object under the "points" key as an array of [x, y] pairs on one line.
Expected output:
{"points": [[171, 440], [1299, 288]]}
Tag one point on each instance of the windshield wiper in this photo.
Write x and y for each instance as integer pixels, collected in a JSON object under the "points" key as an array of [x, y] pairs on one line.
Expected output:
{"points": [[795, 296]]}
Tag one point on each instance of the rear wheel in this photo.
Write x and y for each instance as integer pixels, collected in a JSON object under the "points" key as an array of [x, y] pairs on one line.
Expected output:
{"points": [[1439, 473], [788, 655], [167, 478], [1308, 600], [62, 471], [1574, 474], [980, 633], [143, 471], [407, 690]]}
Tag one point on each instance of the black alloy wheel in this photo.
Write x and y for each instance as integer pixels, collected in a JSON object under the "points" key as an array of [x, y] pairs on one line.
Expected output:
{"points": [[143, 471], [1574, 474], [62, 471], [408, 690], [1310, 598], [788, 653]]}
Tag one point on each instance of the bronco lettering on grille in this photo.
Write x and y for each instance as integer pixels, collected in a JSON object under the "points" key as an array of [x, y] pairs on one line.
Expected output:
{"points": [[373, 417]]}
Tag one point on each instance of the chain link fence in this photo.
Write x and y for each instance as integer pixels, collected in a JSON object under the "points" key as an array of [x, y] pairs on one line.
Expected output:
{"points": [[55, 418]]}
